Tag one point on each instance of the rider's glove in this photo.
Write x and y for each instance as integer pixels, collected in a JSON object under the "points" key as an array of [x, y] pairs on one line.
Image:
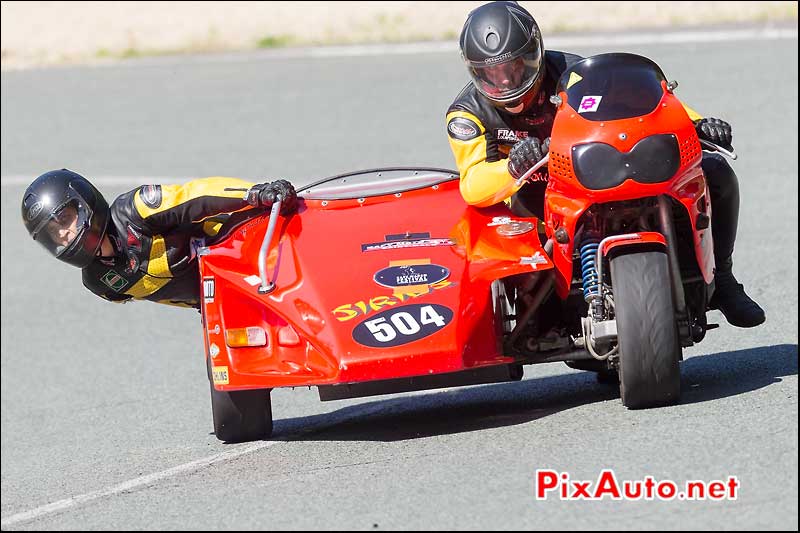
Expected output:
{"points": [[265, 194], [525, 154], [715, 130]]}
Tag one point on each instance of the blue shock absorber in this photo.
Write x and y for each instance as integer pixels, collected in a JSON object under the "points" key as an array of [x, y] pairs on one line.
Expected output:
{"points": [[591, 285]]}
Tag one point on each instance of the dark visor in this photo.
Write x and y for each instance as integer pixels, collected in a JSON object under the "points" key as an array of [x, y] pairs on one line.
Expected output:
{"points": [[65, 224], [507, 79]]}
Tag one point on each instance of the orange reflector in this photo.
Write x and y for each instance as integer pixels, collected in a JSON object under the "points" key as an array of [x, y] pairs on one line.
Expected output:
{"points": [[252, 336], [287, 336]]}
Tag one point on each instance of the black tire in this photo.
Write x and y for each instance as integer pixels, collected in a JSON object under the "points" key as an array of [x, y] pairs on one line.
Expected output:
{"points": [[241, 415], [649, 348]]}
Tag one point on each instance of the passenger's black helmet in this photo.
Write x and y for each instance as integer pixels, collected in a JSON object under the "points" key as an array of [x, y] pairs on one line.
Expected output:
{"points": [[66, 214], [503, 49]]}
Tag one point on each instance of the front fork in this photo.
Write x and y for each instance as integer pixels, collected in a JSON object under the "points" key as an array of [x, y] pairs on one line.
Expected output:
{"points": [[599, 326], [681, 313]]}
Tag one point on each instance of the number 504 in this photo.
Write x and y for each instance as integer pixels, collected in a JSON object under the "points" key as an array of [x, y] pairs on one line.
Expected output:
{"points": [[402, 325]]}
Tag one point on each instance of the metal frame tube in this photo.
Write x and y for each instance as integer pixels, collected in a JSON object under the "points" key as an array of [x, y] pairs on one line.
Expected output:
{"points": [[266, 285]]}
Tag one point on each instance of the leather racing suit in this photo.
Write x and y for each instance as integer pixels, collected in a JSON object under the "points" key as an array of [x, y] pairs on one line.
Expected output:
{"points": [[155, 229], [481, 136]]}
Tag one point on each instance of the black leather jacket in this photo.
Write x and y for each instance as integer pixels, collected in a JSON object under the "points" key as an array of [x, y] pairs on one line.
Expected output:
{"points": [[155, 230]]}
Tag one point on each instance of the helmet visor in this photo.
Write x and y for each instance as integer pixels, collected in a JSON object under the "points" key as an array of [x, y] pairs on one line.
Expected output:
{"points": [[64, 226], [506, 80]]}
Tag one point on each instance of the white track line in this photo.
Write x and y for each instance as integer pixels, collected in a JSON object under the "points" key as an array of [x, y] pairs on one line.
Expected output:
{"points": [[331, 420], [556, 42], [134, 483], [709, 36]]}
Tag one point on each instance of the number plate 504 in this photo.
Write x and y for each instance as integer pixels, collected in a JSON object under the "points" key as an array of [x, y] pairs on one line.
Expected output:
{"points": [[401, 325]]}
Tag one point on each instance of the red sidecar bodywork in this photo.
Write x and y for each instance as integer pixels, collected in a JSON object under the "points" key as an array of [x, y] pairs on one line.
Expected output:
{"points": [[391, 279]]}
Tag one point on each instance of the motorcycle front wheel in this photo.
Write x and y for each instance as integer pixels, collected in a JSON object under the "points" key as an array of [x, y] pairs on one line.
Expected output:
{"points": [[649, 347]]}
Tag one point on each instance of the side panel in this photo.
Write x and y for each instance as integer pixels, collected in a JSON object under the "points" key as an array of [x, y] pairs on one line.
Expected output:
{"points": [[367, 289]]}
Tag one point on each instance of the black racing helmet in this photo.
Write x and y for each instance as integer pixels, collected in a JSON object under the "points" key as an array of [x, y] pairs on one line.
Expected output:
{"points": [[67, 215], [503, 49]]}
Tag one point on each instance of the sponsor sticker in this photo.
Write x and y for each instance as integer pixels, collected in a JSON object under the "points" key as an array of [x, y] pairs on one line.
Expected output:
{"points": [[151, 196], [208, 290], [349, 311], [499, 221], [410, 273], [133, 262], [134, 239], [34, 211], [535, 260], [114, 281], [253, 280], [504, 134], [402, 325], [501, 57], [589, 104], [462, 128], [220, 375], [398, 245], [574, 78], [213, 350]]}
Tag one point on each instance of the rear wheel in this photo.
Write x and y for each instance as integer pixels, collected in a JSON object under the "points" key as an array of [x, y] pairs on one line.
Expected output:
{"points": [[649, 348], [241, 415]]}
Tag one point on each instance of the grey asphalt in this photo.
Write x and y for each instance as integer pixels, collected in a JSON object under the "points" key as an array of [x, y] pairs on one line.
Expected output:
{"points": [[96, 394]]}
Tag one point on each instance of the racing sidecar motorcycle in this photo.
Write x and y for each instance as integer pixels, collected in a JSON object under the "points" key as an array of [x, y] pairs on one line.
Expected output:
{"points": [[386, 281]]}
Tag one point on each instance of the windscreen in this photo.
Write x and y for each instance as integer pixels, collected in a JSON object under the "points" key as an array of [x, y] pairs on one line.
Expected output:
{"points": [[613, 86], [376, 182]]}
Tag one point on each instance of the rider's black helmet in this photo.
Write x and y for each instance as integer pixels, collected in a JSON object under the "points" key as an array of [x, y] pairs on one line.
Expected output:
{"points": [[503, 49], [67, 215]]}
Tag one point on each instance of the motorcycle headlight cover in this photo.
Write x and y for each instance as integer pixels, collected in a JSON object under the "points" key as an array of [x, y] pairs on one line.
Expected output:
{"points": [[654, 159]]}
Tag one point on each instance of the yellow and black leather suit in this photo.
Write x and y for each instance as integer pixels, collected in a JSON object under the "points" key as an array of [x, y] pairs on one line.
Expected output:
{"points": [[481, 135], [154, 230]]}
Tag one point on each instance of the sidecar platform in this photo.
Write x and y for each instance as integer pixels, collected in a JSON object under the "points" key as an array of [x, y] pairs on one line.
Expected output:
{"points": [[383, 275]]}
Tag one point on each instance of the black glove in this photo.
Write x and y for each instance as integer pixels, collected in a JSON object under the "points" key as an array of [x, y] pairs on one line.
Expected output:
{"points": [[525, 154], [715, 130], [265, 194]]}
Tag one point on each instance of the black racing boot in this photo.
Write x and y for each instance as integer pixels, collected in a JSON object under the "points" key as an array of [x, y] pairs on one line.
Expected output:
{"points": [[729, 297]]}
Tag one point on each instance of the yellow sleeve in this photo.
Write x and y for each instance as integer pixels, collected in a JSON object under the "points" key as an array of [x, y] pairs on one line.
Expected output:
{"points": [[163, 207], [693, 115], [482, 183]]}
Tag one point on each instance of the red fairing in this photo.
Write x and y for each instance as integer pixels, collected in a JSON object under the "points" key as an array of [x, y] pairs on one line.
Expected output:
{"points": [[367, 289], [567, 200], [641, 237]]}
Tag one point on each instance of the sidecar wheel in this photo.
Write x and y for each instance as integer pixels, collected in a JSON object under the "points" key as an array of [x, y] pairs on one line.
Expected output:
{"points": [[241, 415], [649, 347]]}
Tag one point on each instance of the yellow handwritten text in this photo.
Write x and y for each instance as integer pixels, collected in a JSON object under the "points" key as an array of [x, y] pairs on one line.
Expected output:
{"points": [[346, 312]]}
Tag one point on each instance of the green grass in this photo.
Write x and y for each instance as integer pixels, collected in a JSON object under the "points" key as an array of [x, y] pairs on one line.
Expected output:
{"points": [[381, 28], [275, 41]]}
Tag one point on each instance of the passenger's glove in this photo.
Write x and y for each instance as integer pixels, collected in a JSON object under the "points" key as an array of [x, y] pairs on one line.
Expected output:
{"points": [[265, 194], [715, 130], [525, 154]]}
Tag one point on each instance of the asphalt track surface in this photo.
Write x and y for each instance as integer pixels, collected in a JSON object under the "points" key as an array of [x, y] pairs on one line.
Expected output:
{"points": [[106, 418]]}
